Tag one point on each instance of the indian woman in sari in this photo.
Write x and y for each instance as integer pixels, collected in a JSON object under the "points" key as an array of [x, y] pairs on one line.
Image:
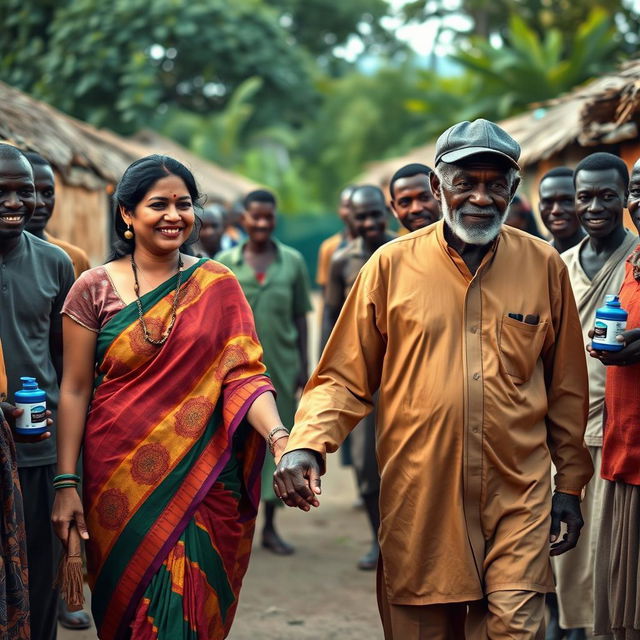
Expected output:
{"points": [[165, 390]]}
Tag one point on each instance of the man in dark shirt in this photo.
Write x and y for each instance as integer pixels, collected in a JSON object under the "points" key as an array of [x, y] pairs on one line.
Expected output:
{"points": [[35, 277], [368, 218]]}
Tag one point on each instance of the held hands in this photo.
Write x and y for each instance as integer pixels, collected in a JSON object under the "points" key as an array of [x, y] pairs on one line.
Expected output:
{"points": [[296, 481], [11, 413], [565, 508], [67, 510], [629, 354]]}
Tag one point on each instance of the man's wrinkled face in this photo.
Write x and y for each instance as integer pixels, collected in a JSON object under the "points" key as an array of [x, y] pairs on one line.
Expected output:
{"points": [[633, 204], [474, 199], [45, 198], [557, 206], [600, 201], [17, 197], [413, 203], [368, 218]]}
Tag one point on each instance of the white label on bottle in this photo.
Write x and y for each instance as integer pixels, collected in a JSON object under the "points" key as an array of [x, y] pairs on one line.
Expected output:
{"points": [[33, 416], [606, 331]]}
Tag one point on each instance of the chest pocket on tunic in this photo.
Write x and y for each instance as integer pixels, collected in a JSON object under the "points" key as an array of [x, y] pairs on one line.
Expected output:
{"points": [[520, 347]]}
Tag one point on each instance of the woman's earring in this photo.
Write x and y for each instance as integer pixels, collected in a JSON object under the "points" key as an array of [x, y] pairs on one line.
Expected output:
{"points": [[128, 234]]}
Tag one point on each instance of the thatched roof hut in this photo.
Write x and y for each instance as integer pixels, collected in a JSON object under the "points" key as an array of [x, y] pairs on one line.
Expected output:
{"points": [[88, 162], [602, 115]]}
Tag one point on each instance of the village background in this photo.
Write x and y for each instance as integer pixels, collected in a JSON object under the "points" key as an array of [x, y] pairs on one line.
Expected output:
{"points": [[305, 97]]}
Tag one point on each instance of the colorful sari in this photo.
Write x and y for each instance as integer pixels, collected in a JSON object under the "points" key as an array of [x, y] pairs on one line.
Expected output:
{"points": [[171, 468]]}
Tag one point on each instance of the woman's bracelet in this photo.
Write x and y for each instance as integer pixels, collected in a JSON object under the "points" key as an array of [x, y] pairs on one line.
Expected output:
{"points": [[66, 476], [66, 481], [65, 485], [270, 438]]}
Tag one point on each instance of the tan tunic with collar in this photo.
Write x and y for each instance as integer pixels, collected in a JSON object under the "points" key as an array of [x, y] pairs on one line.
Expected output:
{"points": [[472, 407]]}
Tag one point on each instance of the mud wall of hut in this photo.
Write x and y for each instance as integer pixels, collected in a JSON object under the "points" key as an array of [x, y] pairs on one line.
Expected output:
{"points": [[82, 217]]}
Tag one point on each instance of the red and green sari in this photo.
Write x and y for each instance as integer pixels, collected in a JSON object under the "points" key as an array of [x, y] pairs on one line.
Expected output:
{"points": [[171, 468]]}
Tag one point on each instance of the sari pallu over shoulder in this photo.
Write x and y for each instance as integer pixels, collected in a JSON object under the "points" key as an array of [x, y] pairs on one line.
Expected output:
{"points": [[165, 425]]}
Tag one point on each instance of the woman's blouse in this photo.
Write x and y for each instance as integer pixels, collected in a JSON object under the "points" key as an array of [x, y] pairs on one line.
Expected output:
{"points": [[93, 300]]}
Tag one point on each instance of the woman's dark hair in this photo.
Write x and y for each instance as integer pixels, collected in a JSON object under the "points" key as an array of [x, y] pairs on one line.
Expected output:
{"points": [[135, 183]]}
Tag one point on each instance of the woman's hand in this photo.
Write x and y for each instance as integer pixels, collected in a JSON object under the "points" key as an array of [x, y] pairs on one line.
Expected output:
{"points": [[68, 510]]}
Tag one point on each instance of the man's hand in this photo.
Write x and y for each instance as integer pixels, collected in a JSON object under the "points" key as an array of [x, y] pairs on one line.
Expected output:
{"points": [[565, 508], [296, 481], [10, 414], [629, 354]]}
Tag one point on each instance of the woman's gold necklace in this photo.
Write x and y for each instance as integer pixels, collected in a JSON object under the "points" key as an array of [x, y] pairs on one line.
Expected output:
{"points": [[174, 307]]}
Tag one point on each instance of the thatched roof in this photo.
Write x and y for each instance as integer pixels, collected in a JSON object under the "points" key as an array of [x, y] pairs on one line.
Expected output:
{"points": [[77, 150], [92, 158], [601, 112]]}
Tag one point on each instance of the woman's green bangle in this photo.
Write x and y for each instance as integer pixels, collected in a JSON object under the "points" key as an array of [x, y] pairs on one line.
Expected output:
{"points": [[66, 476], [64, 485]]}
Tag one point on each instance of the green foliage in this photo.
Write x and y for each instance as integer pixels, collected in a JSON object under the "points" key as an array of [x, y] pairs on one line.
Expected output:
{"points": [[321, 25], [218, 135], [118, 64], [363, 118], [487, 19], [527, 68]]}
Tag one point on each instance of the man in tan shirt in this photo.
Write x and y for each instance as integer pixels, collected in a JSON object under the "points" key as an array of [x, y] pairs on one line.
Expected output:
{"points": [[469, 330]]}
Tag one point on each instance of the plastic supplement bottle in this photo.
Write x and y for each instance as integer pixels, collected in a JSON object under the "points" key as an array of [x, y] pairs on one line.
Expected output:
{"points": [[33, 402], [611, 321]]}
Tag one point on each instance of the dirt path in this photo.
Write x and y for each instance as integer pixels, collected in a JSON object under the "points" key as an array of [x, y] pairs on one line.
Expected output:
{"points": [[316, 594]]}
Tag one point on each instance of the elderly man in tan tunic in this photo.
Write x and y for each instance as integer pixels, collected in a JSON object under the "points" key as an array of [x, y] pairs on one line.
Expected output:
{"points": [[470, 332]]}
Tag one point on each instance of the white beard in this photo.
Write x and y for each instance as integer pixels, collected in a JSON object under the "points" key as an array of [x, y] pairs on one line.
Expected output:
{"points": [[478, 234]]}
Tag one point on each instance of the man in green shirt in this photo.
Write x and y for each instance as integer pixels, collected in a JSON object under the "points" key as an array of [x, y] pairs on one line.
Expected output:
{"points": [[275, 281]]}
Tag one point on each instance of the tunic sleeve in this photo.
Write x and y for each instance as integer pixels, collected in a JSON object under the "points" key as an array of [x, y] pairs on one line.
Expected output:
{"points": [[340, 391], [567, 392]]}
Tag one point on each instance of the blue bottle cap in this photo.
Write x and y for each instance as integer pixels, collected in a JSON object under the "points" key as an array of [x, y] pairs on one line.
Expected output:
{"points": [[612, 300], [29, 383]]}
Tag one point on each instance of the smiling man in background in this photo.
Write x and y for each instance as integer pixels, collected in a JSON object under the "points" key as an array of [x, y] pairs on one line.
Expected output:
{"points": [[411, 199], [596, 267], [45, 185], [557, 208]]}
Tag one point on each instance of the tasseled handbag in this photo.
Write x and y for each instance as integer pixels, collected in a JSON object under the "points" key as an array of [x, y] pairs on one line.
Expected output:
{"points": [[70, 578]]}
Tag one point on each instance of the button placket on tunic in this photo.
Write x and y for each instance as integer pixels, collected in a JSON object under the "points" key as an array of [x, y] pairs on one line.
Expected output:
{"points": [[473, 421]]}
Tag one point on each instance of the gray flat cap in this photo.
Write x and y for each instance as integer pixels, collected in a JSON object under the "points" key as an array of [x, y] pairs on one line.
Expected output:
{"points": [[467, 139]]}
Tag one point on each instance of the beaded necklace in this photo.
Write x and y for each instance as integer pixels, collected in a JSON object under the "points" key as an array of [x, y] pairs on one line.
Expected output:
{"points": [[174, 307]]}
